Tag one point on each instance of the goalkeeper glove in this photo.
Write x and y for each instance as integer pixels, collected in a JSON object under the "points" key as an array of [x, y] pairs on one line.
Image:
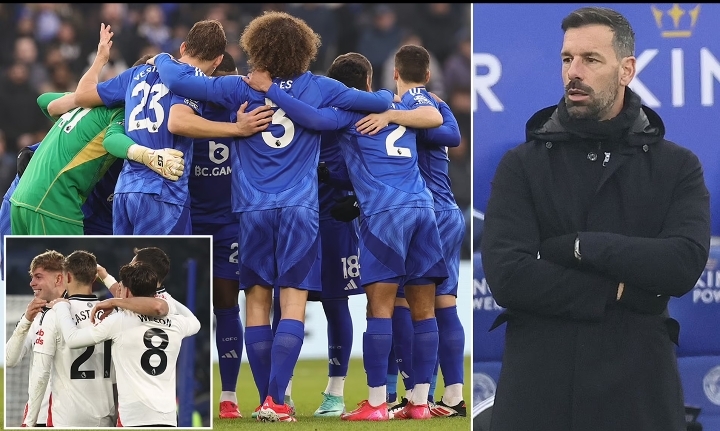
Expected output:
{"points": [[167, 162], [345, 209]]}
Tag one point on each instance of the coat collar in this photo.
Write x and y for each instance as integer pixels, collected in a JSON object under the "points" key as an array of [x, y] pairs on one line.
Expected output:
{"points": [[647, 129]]}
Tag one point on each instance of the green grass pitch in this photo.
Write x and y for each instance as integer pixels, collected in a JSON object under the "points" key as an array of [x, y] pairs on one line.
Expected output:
{"points": [[309, 381]]}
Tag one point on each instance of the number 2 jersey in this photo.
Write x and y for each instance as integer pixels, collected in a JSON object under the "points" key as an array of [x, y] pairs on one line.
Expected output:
{"points": [[383, 168], [278, 167], [145, 352], [147, 108], [82, 378]]}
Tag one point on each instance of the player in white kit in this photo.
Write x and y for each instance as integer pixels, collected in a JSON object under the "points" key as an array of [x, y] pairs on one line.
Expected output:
{"points": [[47, 284], [160, 263], [145, 349], [82, 378]]}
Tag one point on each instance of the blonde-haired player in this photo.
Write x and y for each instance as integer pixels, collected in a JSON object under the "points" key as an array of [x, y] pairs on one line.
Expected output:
{"points": [[47, 284]]}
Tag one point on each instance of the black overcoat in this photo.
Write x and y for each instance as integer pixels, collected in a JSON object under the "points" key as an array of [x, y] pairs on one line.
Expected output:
{"points": [[573, 359]]}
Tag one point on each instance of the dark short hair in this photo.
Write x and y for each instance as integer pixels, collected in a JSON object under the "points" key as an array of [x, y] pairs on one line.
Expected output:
{"points": [[142, 60], [157, 259], [352, 69], [412, 63], [82, 265], [227, 66], [140, 278], [623, 34], [206, 40]]}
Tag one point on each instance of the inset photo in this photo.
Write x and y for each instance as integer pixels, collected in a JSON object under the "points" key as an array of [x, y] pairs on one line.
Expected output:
{"points": [[107, 331]]}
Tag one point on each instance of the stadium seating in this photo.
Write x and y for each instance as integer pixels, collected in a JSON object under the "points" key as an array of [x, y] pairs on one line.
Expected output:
{"points": [[698, 313], [487, 345]]}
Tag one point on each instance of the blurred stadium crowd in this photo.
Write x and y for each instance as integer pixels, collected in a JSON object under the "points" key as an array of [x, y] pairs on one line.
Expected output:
{"points": [[48, 46]]}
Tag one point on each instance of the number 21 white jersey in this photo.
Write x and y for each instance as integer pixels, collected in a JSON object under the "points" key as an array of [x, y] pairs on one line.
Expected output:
{"points": [[82, 379]]}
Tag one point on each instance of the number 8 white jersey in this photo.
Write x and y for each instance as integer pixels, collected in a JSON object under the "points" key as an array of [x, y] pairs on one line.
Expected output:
{"points": [[145, 352], [82, 378]]}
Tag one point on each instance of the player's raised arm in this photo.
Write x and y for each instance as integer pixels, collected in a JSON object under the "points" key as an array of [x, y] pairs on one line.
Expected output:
{"points": [[53, 105], [154, 307], [447, 135], [184, 121], [76, 337], [191, 323], [319, 119], [86, 93], [341, 96], [19, 343], [188, 82], [422, 117], [168, 162]]}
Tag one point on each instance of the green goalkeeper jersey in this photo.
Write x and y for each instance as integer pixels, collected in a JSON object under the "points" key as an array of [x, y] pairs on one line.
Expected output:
{"points": [[71, 159]]}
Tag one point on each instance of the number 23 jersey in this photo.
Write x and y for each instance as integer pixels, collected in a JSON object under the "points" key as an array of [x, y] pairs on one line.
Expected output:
{"points": [[147, 109]]}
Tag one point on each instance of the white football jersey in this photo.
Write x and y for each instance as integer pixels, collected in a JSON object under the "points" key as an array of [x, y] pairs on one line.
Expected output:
{"points": [[163, 294], [30, 339], [82, 378], [145, 352]]}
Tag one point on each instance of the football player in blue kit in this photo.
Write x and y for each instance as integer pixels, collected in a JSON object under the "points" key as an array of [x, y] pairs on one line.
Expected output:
{"points": [[211, 214], [145, 203], [412, 65], [399, 239], [275, 188]]}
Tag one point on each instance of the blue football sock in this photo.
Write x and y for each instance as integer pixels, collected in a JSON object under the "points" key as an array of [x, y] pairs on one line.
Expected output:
{"points": [[377, 342], [451, 348], [403, 344], [425, 349], [285, 352], [229, 342], [340, 335], [258, 345]]}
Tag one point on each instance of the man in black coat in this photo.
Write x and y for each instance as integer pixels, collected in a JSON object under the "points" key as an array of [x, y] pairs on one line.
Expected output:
{"points": [[591, 226]]}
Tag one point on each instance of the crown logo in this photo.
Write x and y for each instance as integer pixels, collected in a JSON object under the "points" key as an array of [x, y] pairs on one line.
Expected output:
{"points": [[680, 27]]}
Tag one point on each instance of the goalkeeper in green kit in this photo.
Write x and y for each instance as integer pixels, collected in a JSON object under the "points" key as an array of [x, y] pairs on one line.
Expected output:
{"points": [[71, 159]]}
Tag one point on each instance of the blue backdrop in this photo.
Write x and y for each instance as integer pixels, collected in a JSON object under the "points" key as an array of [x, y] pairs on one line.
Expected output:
{"points": [[517, 70]]}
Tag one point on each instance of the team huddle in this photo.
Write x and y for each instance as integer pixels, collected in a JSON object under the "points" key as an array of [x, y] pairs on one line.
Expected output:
{"points": [[321, 190], [100, 363]]}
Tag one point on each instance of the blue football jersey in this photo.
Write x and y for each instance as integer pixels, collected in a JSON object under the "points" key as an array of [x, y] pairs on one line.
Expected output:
{"points": [[432, 148], [5, 222], [98, 205], [277, 167], [147, 107], [210, 176], [383, 168], [331, 154]]}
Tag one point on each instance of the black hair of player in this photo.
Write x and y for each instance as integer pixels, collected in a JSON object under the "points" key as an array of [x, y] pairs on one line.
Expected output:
{"points": [[23, 159], [157, 259], [227, 66], [352, 69], [139, 278]]}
